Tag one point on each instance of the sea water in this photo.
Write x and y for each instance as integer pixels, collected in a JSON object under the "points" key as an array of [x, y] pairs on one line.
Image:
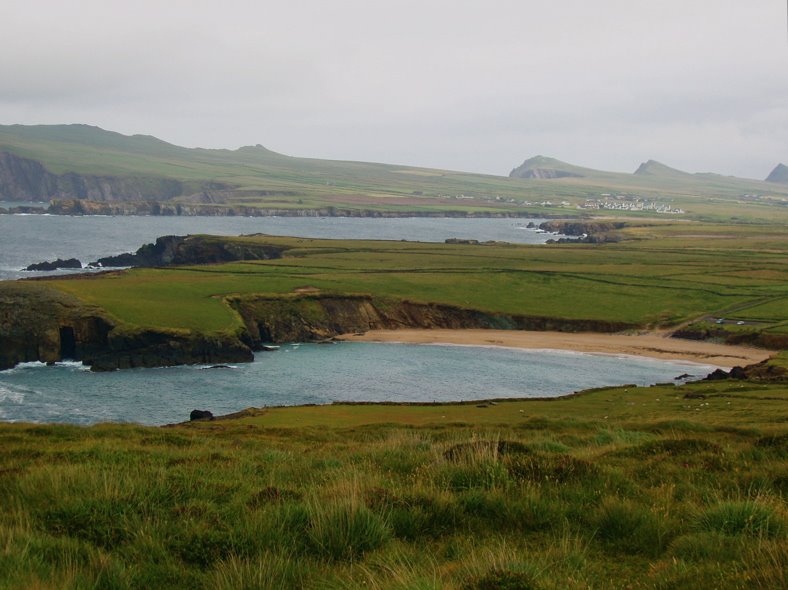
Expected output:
{"points": [[317, 374], [28, 239]]}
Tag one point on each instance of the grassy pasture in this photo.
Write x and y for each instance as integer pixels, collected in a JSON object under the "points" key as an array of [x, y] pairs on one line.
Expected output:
{"points": [[616, 488], [659, 277]]}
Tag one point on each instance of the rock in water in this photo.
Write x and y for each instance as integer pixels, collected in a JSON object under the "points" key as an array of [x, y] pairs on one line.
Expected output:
{"points": [[55, 265], [201, 415]]}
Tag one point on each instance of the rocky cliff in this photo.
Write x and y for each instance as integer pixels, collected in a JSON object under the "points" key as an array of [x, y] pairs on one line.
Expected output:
{"points": [[39, 323], [314, 317], [588, 232], [131, 207], [42, 324], [23, 179], [175, 250]]}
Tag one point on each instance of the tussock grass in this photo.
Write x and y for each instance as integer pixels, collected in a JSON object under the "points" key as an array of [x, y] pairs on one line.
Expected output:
{"points": [[554, 499]]}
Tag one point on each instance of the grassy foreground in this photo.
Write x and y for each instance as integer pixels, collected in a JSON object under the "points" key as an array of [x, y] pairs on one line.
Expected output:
{"points": [[626, 487]]}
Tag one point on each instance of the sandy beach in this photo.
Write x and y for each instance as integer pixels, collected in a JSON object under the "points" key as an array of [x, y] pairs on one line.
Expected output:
{"points": [[650, 344]]}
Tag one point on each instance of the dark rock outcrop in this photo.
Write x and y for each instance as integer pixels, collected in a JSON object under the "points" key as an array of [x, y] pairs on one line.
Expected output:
{"points": [[170, 250], [588, 232], [717, 375], [461, 241], [41, 324], [38, 323], [200, 415], [166, 348], [579, 228], [763, 371], [55, 265], [702, 331]]}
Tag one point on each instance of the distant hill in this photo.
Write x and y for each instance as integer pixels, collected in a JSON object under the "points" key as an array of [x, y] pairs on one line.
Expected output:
{"points": [[75, 164], [654, 168], [779, 174], [541, 167]]}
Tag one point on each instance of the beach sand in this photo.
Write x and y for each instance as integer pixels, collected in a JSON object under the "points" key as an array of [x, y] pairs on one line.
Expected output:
{"points": [[648, 344]]}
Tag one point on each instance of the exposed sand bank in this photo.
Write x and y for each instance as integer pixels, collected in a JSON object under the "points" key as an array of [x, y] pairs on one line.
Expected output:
{"points": [[651, 345]]}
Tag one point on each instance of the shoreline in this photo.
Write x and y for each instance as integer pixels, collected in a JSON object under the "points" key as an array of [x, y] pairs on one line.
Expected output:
{"points": [[653, 345]]}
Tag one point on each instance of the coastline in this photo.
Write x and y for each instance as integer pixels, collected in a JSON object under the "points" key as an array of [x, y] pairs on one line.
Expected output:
{"points": [[654, 345]]}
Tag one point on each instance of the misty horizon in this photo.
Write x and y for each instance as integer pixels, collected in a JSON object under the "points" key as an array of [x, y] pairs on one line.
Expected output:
{"points": [[456, 86]]}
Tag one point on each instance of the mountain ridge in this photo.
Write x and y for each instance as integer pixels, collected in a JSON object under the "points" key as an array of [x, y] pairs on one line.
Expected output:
{"points": [[66, 162]]}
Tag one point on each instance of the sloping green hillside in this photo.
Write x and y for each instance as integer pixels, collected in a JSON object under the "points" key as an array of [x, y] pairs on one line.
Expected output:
{"points": [[258, 177]]}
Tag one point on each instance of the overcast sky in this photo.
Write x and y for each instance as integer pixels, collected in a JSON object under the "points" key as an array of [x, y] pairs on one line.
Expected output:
{"points": [[700, 85]]}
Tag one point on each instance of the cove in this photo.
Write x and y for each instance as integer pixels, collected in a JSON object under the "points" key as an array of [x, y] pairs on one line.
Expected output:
{"points": [[297, 374]]}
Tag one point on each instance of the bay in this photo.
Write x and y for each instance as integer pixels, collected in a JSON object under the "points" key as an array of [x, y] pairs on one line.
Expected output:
{"points": [[27, 239], [318, 374]]}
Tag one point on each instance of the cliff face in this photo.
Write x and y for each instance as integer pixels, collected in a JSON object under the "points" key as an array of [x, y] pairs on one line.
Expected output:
{"points": [[41, 324], [192, 250], [317, 317], [23, 179], [132, 207], [38, 323]]}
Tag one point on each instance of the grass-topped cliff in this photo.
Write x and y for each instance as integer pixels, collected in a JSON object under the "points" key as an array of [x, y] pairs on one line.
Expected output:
{"points": [[620, 488], [683, 275], [661, 275], [85, 162]]}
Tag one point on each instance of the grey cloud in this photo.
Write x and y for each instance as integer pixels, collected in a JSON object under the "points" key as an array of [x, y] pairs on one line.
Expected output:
{"points": [[457, 84]]}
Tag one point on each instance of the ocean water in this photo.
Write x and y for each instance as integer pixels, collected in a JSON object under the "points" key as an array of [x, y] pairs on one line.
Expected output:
{"points": [[317, 374], [27, 239]]}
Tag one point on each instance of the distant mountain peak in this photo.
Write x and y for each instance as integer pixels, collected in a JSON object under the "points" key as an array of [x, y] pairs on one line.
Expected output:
{"points": [[779, 174], [654, 168], [544, 167]]}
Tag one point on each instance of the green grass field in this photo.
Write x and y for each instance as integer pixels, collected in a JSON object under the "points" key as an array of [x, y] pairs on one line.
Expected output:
{"points": [[662, 487], [663, 275]]}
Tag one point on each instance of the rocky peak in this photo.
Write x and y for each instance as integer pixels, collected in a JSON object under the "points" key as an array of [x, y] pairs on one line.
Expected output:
{"points": [[779, 174]]}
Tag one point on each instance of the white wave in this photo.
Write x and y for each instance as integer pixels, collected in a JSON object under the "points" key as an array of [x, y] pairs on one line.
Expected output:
{"points": [[38, 365], [11, 395]]}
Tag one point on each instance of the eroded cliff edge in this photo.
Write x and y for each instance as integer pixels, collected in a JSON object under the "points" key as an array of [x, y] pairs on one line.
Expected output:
{"points": [[23, 179], [314, 317], [39, 323]]}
